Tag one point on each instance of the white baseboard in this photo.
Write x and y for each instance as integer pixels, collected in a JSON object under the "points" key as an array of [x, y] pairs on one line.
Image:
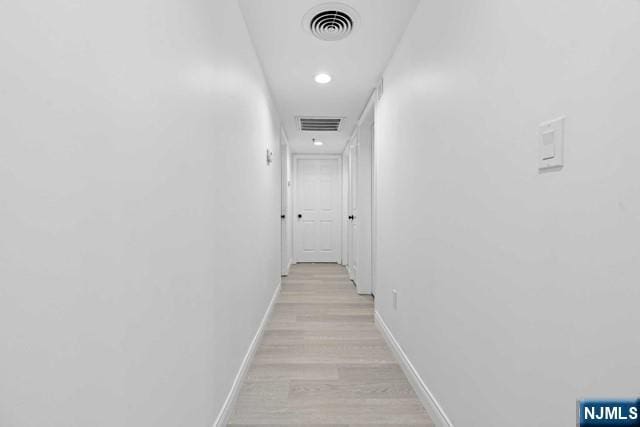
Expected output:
{"points": [[427, 398], [225, 412], [350, 272]]}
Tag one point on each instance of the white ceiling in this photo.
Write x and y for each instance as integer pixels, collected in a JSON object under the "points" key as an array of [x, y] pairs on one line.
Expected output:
{"points": [[291, 57]]}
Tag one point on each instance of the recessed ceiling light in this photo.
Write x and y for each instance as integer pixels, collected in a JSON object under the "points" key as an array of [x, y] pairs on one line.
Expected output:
{"points": [[323, 78], [317, 143]]}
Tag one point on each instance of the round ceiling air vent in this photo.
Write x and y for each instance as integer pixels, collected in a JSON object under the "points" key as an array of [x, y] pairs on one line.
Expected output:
{"points": [[331, 21]]}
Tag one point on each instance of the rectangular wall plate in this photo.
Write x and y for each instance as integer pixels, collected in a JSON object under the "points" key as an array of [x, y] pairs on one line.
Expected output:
{"points": [[551, 144]]}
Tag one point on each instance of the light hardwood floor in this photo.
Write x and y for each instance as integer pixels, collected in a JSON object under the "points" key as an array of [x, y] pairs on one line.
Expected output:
{"points": [[323, 362]]}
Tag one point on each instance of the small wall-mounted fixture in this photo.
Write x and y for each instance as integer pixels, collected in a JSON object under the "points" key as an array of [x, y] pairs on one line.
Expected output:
{"points": [[380, 89], [269, 157], [322, 78], [317, 143], [551, 144]]}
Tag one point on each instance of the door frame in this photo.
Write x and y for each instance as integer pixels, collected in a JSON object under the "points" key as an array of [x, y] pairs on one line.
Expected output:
{"points": [[368, 118], [294, 194], [345, 206], [352, 206], [374, 206], [376, 96], [285, 201]]}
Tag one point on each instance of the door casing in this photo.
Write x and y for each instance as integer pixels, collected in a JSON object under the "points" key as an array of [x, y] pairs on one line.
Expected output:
{"points": [[362, 200], [285, 223]]}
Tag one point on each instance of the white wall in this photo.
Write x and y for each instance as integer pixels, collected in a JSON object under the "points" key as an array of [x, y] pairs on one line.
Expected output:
{"points": [[518, 291], [139, 222]]}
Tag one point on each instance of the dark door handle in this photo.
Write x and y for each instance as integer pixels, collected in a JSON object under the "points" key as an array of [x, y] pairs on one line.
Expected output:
{"points": [[299, 216], [351, 217], [283, 216]]}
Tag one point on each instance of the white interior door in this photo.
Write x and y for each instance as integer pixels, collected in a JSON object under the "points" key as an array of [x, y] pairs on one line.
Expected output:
{"points": [[284, 211], [374, 207], [317, 210], [363, 213], [353, 210], [345, 208], [360, 154]]}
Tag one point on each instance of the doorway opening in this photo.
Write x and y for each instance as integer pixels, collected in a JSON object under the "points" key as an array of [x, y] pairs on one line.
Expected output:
{"points": [[317, 208], [359, 232]]}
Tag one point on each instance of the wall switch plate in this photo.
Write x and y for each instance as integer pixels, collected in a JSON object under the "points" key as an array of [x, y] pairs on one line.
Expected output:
{"points": [[395, 299], [551, 144]]}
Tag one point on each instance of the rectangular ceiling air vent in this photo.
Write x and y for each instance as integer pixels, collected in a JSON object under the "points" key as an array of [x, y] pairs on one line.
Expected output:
{"points": [[319, 124]]}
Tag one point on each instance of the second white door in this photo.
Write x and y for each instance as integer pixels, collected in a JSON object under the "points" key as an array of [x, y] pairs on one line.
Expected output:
{"points": [[317, 211], [354, 215]]}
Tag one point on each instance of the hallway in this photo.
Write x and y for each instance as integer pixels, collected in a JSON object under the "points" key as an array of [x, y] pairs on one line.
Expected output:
{"points": [[323, 362], [316, 212]]}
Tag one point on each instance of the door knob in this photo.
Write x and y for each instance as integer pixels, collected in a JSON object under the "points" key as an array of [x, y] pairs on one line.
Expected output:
{"points": [[299, 216], [283, 216], [351, 217]]}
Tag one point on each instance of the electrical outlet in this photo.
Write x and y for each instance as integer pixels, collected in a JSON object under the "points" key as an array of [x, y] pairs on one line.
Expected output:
{"points": [[395, 299]]}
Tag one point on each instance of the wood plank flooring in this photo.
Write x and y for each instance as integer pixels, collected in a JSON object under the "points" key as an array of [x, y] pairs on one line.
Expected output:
{"points": [[322, 362]]}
